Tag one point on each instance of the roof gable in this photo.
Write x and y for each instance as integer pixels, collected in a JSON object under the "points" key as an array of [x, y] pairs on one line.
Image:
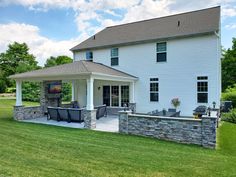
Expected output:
{"points": [[190, 23]]}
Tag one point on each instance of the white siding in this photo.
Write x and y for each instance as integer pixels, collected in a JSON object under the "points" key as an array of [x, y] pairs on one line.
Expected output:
{"points": [[187, 58]]}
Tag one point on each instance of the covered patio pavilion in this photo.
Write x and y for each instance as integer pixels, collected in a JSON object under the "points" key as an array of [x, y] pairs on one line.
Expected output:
{"points": [[87, 80]]}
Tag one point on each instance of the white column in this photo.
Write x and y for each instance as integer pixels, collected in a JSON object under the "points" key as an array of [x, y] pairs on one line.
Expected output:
{"points": [[18, 93], [132, 90], [73, 91], [90, 93]]}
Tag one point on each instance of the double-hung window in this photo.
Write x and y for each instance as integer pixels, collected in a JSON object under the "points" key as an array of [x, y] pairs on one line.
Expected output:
{"points": [[154, 89], [202, 89], [161, 52], [89, 55], [114, 56]]}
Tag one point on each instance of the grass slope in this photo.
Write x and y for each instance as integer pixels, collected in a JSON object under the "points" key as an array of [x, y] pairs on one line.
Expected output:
{"points": [[39, 150]]}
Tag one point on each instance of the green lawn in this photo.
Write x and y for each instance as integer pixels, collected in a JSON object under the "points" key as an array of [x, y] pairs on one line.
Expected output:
{"points": [[39, 150]]}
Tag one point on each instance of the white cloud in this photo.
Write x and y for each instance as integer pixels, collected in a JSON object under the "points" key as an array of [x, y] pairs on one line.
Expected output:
{"points": [[231, 26], [90, 20], [40, 46]]}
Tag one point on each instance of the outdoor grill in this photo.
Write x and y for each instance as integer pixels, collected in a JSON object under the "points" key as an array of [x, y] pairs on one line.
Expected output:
{"points": [[200, 110]]}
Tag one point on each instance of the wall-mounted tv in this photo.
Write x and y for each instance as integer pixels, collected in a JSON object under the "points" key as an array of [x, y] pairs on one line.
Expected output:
{"points": [[54, 88]]}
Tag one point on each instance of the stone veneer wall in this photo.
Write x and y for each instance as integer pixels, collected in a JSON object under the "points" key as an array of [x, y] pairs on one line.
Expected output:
{"points": [[115, 110], [184, 130], [47, 99], [23, 113], [89, 118]]}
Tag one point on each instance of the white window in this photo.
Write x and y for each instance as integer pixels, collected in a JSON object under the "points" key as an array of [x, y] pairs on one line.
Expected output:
{"points": [[202, 89], [161, 52], [154, 89], [116, 95], [114, 57]]}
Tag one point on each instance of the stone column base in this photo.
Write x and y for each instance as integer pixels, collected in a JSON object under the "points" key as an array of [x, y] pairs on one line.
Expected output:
{"points": [[90, 119], [18, 113]]}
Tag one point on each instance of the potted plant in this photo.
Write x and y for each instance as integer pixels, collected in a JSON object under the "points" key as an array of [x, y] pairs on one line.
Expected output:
{"points": [[175, 102]]}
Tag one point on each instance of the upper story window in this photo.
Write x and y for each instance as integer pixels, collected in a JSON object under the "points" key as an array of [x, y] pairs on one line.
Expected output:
{"points": [[161, 52], [154, 89], [202, 89], [114, 56], [89, 55]]}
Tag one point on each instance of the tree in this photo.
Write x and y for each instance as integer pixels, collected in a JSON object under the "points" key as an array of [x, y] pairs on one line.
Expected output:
{"points": [[66, 87], [53, 61], [16, 59], [229, 66]]}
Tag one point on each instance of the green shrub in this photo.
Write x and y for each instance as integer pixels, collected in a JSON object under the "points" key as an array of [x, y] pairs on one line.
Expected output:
{"points": [[66, 92], [230, 116], [2, 86], [11, 90], [230, 95], [31, 91]]}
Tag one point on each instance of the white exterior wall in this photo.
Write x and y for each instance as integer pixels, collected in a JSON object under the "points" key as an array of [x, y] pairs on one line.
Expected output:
{"points": [[187, 58]]}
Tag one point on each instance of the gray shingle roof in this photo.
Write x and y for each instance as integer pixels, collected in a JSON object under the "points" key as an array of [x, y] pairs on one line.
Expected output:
{"points": [[76, 68], [190, 23]]}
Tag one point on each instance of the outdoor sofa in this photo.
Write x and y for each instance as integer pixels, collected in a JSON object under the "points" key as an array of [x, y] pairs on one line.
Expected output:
{"points": [[73, 114]]}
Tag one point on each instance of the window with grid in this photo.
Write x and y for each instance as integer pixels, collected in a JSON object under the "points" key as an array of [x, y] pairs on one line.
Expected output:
{"points": [[114, 95], [154, 89], [202, 89], [89, 55], [124, 95], [161, 52], [114, 57]]}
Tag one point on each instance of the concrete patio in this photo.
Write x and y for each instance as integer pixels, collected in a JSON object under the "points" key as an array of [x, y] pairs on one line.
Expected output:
{"points": [[106, 124]]}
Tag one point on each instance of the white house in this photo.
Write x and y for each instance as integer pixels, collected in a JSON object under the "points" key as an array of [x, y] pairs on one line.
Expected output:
{"points": [[177, 56], [145, 63]]}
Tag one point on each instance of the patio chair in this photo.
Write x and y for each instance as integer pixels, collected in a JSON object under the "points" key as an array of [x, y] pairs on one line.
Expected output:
{"points": [[101, 111], [75, 115], [75, 104], [53, 113], [63, 114], [177, 114]]}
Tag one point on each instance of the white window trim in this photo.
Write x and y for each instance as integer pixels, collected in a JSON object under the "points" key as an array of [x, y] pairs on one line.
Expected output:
{"points": [[161, 52], [110, 85], [154, 91], [205, 80]]}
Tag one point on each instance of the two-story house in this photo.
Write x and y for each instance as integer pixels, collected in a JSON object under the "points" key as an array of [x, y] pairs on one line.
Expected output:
{"points": [[144, 64], [176, 56]]}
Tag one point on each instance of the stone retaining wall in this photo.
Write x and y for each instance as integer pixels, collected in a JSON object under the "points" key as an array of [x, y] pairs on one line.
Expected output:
{"points": [[183, 130], [32, 112]]}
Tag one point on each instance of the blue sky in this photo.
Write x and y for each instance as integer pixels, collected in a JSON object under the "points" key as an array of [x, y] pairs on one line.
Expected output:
{"points": [[52, 27]]}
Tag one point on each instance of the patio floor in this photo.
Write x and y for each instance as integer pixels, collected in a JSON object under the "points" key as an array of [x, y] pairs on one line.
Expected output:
{"points": [[106, 124]]}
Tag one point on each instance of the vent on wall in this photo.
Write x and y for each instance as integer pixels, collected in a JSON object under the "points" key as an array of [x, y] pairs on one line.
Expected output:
{"points": [[178, 23]]}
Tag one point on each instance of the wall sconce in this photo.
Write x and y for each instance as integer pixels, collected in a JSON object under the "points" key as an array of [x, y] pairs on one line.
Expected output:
{"points": [[99, 88]]}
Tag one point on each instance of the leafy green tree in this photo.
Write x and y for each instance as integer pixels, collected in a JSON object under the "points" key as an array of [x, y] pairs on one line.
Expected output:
{"points": [[53, 61], [229, 66], [66, 87], [16, 59]]}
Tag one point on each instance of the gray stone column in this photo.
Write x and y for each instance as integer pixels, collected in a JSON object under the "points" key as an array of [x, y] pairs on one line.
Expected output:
{"points": [[132, 107], [123, 121], [18, 113], [209, 126], [90, 119]]}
